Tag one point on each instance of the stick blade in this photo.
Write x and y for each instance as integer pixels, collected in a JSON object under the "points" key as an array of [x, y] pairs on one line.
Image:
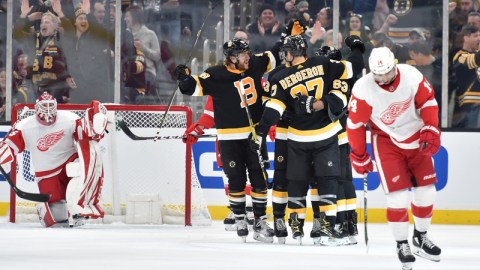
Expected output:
{"points": [[123, 126]]}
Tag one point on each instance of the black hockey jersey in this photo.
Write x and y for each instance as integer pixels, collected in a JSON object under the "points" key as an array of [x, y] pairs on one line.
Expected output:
{"points": [[49, 67], [318, 77], [225, 85]]}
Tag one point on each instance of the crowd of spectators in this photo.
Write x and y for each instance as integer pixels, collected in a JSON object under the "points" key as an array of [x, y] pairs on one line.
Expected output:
{"points": [[155, 34]]}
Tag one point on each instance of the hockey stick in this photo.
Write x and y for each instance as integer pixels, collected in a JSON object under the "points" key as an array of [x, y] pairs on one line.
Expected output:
{"points": [[243, 96], [134, 137], [213, 4], [365, 209], [37, 197]]}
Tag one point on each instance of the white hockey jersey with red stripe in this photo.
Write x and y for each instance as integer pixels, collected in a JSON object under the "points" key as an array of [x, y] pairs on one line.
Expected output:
{"points": [[398, 110], [50, 146]]}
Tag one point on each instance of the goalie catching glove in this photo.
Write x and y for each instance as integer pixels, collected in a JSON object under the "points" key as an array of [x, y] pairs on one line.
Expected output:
{"points": [[429, 140], [95, 121], [304, 104], [190, 135]]}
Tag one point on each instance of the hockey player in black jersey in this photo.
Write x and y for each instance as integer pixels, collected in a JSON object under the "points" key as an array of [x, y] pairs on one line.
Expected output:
{"points": [[313, 151], [346, 223], [240, 73]]}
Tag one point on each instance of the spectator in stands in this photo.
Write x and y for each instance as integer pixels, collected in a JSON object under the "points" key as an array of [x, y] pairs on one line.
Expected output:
{"points": [[19, 94], [49, 69], [176, 23], [430, 66], [466, 68], [302, 8], [474, 18], [414, 36], [325, 17], [90, 59], [146, 41], [356, 27], [3, 32], [99, 12], [266, 30]]}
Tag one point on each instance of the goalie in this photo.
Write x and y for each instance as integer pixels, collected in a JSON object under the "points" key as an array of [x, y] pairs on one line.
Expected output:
{"points": [[65, 155]]}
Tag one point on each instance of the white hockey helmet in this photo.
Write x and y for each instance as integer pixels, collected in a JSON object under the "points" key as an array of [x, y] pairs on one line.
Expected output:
{"points": [[46, 109], [381, 60]]}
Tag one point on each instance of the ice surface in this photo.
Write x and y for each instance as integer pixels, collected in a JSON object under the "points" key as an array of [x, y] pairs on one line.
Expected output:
{"points": [[137, 247]]}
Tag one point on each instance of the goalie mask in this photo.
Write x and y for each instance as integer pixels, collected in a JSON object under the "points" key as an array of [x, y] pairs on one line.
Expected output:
{"points": [[296, 45], [46, 109]]}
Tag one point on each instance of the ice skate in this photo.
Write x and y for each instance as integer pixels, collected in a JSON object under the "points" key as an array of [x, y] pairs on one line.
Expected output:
{"points": [[315, 233], [77, 221], [296, 225], [352, 228], [280, 230], [229, 222], [242, 227], [250, 217], [424, 247], [405, 255], [262, 231], [341, 231], [328, 236]]}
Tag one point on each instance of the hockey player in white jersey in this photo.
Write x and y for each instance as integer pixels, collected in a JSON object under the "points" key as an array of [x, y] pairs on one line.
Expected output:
{"points": [[65, 155], [399, 106]]}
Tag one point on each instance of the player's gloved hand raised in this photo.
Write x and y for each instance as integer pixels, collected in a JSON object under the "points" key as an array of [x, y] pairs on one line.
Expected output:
{"points": [[272, 133], [303, 104], [361, 164], [429, 140], [192, 133], [182, 72], [296, 27], [355, 42]]}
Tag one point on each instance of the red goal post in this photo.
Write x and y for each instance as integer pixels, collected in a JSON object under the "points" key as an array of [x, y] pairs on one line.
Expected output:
{"points": [[132, 168]]}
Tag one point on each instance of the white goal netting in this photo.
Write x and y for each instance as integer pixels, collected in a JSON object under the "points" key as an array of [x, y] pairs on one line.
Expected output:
{"points": [[141, 169]]}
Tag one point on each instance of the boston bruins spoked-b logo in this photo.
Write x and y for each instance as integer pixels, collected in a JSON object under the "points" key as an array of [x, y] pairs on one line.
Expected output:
{"points": [[232, 164], [402, 7], [280, 158]]}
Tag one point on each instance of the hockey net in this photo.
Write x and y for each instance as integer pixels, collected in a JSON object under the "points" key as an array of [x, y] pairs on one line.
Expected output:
{"points": [[143, 169]]}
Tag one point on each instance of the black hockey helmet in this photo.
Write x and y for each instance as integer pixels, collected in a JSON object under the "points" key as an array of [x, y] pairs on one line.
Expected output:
{"points": [[330, 52], [235, 46], [296, 45]]}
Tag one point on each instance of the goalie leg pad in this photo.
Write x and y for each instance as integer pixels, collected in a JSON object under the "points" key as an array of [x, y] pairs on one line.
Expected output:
{"points": [[53, 214]]}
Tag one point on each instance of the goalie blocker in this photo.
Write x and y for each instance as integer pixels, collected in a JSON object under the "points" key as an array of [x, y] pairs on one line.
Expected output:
{"points": [[55, 140]]}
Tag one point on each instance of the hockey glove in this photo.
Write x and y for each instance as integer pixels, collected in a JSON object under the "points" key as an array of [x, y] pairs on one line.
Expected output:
{"points": [[182, 72], [361, 164], [6, 154], [303, 104], [429, 140], [355, 42], [295, 28], [190, 135], [256, 144], [272, 133]]}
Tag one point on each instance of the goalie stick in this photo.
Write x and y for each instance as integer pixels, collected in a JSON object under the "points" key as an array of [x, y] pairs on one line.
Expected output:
{"points": [[213, 4], [134, 137], [37, 197]]}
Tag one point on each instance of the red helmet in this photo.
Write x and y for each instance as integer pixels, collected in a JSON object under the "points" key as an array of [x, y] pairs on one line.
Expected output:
{"points": [[46, 109]]}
